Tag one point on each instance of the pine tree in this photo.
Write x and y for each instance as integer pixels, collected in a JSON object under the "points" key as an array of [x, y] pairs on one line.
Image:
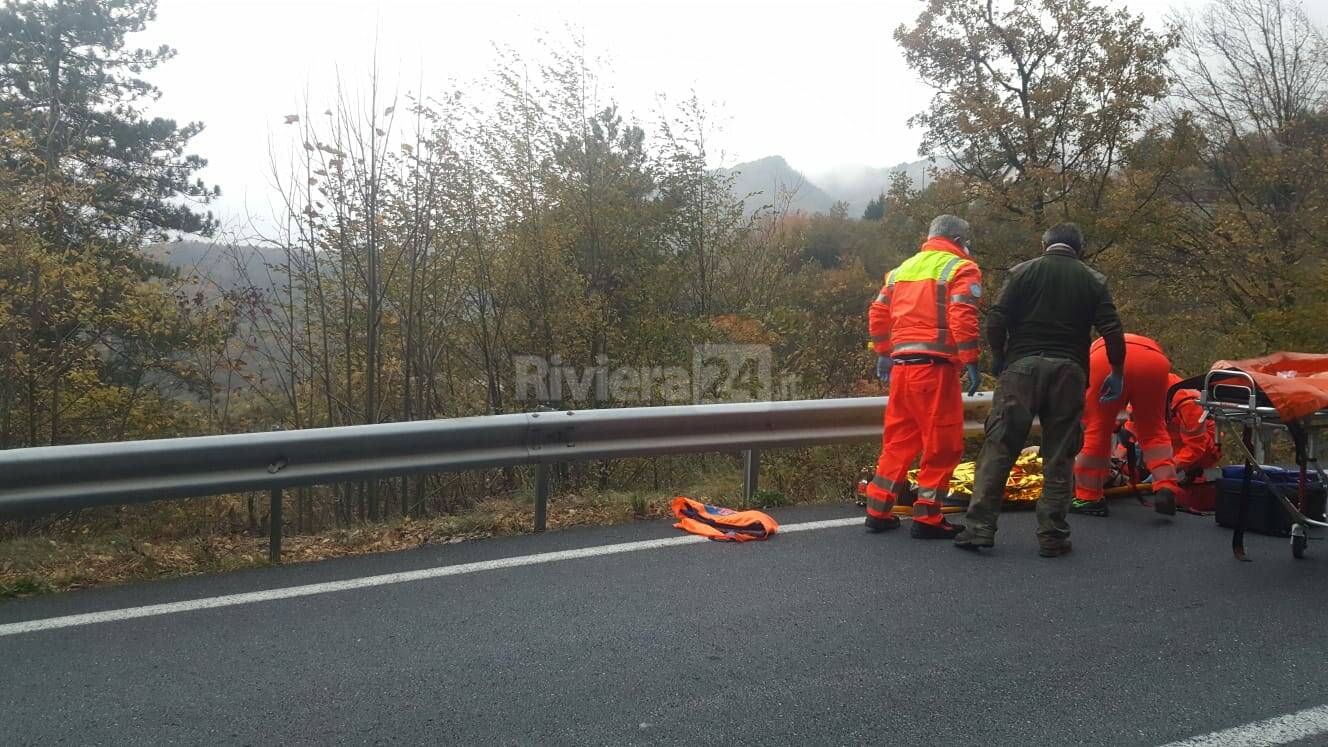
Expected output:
{"points": [[72, 87], [94, 341], [875, 209]]}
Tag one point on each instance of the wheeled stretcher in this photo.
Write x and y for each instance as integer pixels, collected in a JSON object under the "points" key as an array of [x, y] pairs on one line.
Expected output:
{"points": [[1258, 399]]}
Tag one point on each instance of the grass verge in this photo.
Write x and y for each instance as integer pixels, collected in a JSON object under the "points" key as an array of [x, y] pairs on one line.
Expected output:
{"points": [[84, 557]]}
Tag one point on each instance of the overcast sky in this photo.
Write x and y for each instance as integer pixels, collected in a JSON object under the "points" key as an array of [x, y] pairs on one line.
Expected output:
{"points": [[819, 82]]}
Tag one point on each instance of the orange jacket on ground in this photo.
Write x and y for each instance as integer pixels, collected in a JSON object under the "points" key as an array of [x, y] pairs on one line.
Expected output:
{"points": [[929, 305], [722, 524]]}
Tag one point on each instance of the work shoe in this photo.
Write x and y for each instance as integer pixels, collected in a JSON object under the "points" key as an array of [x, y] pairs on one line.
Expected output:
{"points": [[1091, 508], [942, 531], [1164, 502], [971, 540], [875, 525], [1053, 548]]}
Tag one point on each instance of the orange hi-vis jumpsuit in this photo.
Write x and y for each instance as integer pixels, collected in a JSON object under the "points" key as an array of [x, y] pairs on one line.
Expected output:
{"points": [[926, 319], [1146, 375], [1193, 437]]}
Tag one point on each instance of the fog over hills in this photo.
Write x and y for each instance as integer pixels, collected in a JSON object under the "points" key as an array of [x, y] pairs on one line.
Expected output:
{"points": [[773, 181], [765, 181], [224, 266], [858, 184]]}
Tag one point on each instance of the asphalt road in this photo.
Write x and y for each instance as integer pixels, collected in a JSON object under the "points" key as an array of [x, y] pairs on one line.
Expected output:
{"points": [[1149, 632]]}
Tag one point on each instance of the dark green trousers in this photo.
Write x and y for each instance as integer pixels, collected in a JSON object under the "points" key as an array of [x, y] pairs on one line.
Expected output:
{"points": [[1051, 389]]}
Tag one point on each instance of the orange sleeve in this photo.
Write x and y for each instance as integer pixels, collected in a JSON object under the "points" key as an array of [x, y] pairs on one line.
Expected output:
{"points": [[965, 288], [1195, 438], [879, 321]]}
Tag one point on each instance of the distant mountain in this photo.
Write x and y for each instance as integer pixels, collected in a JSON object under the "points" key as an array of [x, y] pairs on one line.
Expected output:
{"points": [[771, 181], [222, 265]]}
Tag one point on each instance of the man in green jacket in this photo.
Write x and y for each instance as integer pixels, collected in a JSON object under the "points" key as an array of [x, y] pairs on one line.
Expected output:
{"points": [[1039, 334]]}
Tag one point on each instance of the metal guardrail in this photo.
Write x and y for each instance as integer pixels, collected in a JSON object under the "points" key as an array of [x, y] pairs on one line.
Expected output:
{"points": [[57, 478]]}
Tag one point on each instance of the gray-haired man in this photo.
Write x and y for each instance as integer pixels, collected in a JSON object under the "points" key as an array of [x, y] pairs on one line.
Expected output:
{"points": [[924, 326]]}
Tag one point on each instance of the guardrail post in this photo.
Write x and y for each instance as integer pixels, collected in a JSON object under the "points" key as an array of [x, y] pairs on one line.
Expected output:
{"points": [[274, 521], [541, 496], [751, 467], [542, 479]]}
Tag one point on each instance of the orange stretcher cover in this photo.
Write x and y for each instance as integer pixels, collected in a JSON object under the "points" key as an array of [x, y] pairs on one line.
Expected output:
{"points": [[1296, 384]]}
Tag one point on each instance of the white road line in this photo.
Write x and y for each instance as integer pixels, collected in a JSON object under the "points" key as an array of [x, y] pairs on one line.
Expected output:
{"points": [[289, 592], [1311, 722]]}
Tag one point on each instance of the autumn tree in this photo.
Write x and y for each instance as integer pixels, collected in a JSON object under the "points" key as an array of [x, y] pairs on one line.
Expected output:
{"points": [[1035, 101], [94, 345], [704, 224], [1251, 113]]}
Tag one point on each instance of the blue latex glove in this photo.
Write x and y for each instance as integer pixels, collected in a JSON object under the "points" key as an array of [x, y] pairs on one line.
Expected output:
{"points": [[883, 365], [974, 378], [1112, 388]]}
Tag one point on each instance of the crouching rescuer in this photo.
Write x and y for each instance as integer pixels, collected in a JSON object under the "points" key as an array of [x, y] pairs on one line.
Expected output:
{"points": [[924, 327], [1147, 378]]}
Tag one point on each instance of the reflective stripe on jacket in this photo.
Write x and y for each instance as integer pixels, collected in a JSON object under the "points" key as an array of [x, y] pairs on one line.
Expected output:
{"points": [[1193, 438], [928, 305]]}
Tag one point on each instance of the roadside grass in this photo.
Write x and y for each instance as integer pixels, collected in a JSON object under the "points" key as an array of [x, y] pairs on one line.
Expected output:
{"points": [[37, 565], [67, 561], [204, 536]]}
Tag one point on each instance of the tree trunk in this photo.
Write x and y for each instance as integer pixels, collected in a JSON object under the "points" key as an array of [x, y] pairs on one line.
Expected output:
{"points": [[55, 54]]}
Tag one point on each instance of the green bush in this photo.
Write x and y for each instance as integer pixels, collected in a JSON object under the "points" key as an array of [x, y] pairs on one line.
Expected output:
{"points": [[764, 499]]}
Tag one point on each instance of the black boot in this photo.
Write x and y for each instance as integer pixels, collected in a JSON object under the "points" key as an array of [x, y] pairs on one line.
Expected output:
{"points": [[875, 525], [1164, 502], [943, 531]]}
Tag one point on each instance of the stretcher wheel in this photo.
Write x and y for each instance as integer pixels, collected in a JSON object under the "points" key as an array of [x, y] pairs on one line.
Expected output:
{"points": [[1299, 541]]}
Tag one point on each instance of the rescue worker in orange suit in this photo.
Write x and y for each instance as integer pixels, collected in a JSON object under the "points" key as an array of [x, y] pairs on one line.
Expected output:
{"points": [[1193, 437], [1196, 452], [924, 329], [1147, 372]]}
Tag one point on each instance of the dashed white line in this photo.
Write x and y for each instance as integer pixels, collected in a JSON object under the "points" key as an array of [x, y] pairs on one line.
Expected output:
{"points": [[290, 592], [1293, 727]]}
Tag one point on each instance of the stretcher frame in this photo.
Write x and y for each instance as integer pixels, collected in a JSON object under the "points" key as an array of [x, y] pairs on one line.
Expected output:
{"points": [[1258, 422]]}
